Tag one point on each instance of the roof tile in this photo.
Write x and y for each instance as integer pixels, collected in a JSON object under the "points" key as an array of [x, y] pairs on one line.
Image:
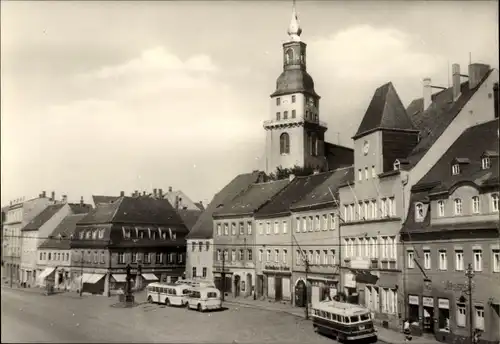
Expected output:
{"points": [[43, 217], [60, 236]]}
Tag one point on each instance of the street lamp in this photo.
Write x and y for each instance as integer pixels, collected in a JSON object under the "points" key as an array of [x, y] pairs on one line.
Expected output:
{"points": [[469, 273]]}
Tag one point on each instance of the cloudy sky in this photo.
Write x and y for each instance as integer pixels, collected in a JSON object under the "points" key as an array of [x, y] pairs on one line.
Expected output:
{"points": [[99, 97]]}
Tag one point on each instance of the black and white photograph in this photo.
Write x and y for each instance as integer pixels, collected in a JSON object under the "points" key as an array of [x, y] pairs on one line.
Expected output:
{"points": [[274, 171]]}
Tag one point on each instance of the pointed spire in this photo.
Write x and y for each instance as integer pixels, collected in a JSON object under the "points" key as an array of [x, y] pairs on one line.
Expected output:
{"points": [[294, 30]]}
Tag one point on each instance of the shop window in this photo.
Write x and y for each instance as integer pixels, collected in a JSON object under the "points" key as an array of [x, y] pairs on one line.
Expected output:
{"points": [[444, 315], [461, 315]]}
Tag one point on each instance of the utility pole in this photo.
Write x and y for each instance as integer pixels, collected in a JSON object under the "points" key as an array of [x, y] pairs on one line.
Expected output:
{"points": [[81, 274], [469, 273], [223, 274]]}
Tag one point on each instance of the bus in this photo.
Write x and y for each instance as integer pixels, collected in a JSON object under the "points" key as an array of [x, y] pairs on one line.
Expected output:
{"points": [[169, 294], [203, 299], [197, 283], [344, 321]]}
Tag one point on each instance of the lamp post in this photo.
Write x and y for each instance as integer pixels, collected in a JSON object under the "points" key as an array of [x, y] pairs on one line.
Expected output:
{"points": [[469, 273]]}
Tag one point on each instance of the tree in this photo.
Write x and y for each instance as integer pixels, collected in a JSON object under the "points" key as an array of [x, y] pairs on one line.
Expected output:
{"points": [[284, 173]]}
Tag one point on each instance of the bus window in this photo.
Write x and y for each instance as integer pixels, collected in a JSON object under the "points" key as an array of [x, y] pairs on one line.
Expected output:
{"points": [[328, 315], [334, 317], [346, 320], [354, 319], [185, 292], [212, 295], [173, 291], [365, 317]]}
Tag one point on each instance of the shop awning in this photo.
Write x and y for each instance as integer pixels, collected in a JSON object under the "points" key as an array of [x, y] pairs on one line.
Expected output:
{"points": [[45, 273], [95, 278], [150, 277], [120, 277], [85, 277]]}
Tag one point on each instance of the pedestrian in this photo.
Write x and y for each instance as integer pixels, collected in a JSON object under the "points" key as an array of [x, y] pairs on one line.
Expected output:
{"points": [[407, 330]]}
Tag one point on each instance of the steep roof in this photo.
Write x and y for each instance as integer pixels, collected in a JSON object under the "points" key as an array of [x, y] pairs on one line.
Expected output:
{"points": [[252, 199], [432, 122], [321, 194], [292, 193], [199, 205], [203, 228], [386, 111], [103, 199], [137, 210], [484, 138], [79, 208], [60, 236], [189, 217], [43, 217]]}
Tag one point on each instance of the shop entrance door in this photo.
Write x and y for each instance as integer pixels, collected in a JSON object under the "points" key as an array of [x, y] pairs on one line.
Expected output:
{"points": [[429, 319]]}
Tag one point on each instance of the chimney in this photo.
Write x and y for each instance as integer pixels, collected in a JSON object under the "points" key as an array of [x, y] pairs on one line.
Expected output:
{"points": [[64, 199], [44, 194], [155, 193], [81, 200], [144, 193], [122, 193], [455, 70], [136, 193], [169, 189], [160, 193], [53, 197], [291, 177], [427, 93], [477, 71], [495, 98]]}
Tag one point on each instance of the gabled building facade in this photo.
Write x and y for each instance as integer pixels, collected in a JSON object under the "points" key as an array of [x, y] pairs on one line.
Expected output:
{"points": [[453, 222], [54, 255], [274, 239], [234, 238], [200, 243], [315, 232], [142, 231]]}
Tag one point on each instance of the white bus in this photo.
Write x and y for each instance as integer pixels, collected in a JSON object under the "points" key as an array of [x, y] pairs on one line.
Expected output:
{"points": [[203, 299], [169, 294], [345, 321]]}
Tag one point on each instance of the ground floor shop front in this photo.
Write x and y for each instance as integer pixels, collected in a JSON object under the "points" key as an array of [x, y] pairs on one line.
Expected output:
{"points": [[446, 313], [240, 282], [313, 288], [274, 285], [379, 291]]}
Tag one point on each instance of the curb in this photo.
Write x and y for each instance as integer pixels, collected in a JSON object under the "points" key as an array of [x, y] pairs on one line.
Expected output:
{"points": [[246, 305]]}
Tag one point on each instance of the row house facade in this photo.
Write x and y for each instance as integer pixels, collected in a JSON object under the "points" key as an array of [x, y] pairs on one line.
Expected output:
{"points": [[274, 239], [142, 231], [18, 214], [200, 242], [54, 255], [234, 238], [453, 223], [38, 230], [315, 230]]}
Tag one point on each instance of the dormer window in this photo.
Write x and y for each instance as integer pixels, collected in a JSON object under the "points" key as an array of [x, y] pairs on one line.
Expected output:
{"points": [[455, 169], [82, 235], [485, 163], [88, 234], [419, 211], [397, 165], [101, 233]]}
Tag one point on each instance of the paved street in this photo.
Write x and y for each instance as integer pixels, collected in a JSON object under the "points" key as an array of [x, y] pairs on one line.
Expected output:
{"points": [[31, 317]]}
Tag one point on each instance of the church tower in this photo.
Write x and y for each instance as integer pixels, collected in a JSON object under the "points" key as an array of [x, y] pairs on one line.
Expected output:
{"points": [[294, 133]]}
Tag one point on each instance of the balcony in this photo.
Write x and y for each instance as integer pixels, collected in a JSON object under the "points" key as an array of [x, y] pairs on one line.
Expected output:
{"points": [[277, 123]]}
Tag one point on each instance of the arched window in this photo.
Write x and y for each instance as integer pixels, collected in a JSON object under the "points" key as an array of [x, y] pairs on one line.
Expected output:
{"points": [[475, 205], [289, 56], [284, 144]]}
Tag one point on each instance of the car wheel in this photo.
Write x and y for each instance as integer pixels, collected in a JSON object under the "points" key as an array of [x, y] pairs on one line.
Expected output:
{"points": [[167, 301], [150, 299], [199, 308]]}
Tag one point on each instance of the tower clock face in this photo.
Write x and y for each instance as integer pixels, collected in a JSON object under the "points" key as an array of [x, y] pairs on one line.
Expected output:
{"points": [[366, 147]]}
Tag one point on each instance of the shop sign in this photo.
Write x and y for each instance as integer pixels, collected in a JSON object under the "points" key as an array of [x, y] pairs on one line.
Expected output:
{"points": [[428, 301], [460, 287], [350, 280], [413, 300], [277, 267], [444, 303], [220, 270]]}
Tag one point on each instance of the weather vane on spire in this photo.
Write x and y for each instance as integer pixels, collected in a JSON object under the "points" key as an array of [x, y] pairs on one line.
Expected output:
{"points": [[294, 30]]}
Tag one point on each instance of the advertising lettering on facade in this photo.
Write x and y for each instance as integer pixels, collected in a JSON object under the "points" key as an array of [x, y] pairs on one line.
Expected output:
{"points": [[427, 301], [413, 300], [277, 267], [350, 280], [444, 303]]}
